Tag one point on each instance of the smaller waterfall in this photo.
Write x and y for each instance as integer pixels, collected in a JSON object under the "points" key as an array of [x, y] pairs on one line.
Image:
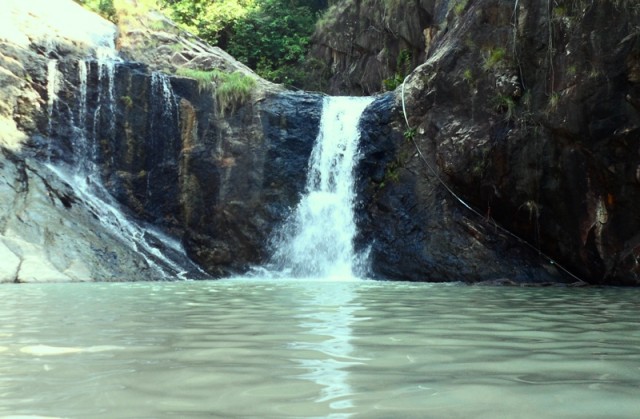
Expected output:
{"points": [[54, 83], [106, 109], [164, 255], [163, 131], [83, 75], [161, 88], [317, 241], [84, 151], [163, 117]]}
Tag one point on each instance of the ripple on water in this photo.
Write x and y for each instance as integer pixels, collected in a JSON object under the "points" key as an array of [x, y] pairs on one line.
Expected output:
{"points": [[46, 350], [298, 349]]}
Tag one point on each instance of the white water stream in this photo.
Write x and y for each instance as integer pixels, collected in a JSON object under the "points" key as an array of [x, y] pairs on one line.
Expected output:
{"points": [[164, 254], [317, 240]]}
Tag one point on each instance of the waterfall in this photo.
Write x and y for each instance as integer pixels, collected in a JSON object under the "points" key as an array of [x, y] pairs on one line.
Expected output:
{"points": [[163, 131], [105, 112], [164, 255], [161, 88], [53, 87], [163, 117], [54, 82], [317, 240]]}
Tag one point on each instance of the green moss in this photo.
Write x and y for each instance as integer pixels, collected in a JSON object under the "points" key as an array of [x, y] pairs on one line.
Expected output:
{"points": [[494, 57], [156, 25], [204, 78], [559, 11], [231, 89], [176, 47], [393, 82], [459, 7], [467, 76], [234, 88], [554, 100], [126, 101], [506, 105]]}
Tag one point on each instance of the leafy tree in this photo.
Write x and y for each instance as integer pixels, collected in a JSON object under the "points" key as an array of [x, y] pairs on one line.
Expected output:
{"points": [[273, 39], [211, 20], [270, 36]]}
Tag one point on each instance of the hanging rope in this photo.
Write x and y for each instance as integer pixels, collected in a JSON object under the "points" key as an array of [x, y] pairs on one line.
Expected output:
{"points": [[460, 200]]}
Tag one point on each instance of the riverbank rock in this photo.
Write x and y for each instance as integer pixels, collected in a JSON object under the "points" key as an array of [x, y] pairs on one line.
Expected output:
{"points": [[49, 233]]}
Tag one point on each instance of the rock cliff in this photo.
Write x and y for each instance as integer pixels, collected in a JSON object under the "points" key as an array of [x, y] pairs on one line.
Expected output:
{"points": [[48, 230], [112, 169], [371, 45], [528, 111]]}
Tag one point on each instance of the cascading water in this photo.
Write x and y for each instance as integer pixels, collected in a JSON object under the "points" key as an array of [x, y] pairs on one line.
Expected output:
{"points": [[317, 240], [106, 109], [163, 123], [84, 177], [53, 87]]}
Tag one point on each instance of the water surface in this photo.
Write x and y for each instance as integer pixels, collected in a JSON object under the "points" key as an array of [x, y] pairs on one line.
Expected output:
{"points": [[265, 348]]}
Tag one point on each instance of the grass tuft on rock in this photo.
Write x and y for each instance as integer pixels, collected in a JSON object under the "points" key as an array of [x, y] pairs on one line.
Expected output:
{"points": [[230, 89]]}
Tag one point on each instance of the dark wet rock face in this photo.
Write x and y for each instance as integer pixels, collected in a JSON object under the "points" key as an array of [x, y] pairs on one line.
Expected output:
{"points": [[415, 229], [531, 116], [162, 148], [260, 173], [222, 183]]}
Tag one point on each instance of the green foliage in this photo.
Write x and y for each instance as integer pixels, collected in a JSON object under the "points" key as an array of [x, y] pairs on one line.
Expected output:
{"points": [[467, 75], [210, 20], [494, 57], [403, 67], [403, 62], [559, 11], [409, 133], [204, 78], [126, 101], [104, 8], [273, 39], [177, 47], [460, 6], [156, 25], [392, 172], [234, 88], [231, 89], [554, 100], [392, 83], [270, 36], [506, 105]]}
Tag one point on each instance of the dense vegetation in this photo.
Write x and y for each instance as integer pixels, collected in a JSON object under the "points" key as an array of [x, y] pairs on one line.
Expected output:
{"points": [[270, 36]]}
